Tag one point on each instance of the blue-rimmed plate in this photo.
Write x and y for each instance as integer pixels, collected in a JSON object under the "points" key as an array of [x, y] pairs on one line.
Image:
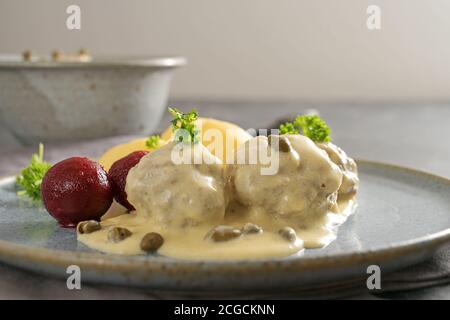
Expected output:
{"points": [[403, 217]]}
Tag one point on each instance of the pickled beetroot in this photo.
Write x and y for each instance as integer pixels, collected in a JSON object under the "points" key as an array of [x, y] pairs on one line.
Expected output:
{"points": [[117, 175], [76, 189]]}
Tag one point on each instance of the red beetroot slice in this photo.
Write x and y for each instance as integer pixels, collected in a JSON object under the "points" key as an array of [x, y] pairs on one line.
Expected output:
{"points": [[76, 189], [117, 175]]}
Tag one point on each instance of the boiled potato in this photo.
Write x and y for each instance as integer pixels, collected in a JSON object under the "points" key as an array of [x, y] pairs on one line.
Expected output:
{"points": [[118, 152], [214, 136]]}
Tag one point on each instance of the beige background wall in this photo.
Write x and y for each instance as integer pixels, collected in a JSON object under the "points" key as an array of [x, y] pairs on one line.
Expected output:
{"points": [[288, 49]]}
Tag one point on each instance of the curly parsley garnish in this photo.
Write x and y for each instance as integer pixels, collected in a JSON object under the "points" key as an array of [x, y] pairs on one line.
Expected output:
{"points": [[288, 128], [152, 142], [30, 177], [311, 126], [183, 125]]}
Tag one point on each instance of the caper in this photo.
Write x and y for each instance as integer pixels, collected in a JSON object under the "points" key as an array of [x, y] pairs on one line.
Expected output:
{"points": [[223, 233], [151, 242], [89, 226], [288, 234], [251, 228], [118, 234], [27, 55], [284, 145], [83, 52], [57, 55]]}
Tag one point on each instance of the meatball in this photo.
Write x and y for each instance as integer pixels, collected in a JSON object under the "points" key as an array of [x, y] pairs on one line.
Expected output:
{"points": [[174, 193], [350, 180], [306, 182]]}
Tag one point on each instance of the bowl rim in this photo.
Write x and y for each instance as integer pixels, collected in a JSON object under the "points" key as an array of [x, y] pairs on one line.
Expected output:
{"points": [[16, 62]]}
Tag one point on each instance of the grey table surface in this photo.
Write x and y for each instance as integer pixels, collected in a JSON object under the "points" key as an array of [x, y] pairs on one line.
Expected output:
{"points": [[415, 135]]}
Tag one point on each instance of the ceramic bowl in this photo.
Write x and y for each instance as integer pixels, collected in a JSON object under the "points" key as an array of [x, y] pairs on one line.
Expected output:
{"points": [[63, 101]]}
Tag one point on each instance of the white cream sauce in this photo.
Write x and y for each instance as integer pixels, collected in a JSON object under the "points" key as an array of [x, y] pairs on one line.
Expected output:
{"points": [[205, 196]]}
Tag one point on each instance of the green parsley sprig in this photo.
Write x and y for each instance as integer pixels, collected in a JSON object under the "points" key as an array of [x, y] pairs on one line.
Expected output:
{"points": [[30, 177], [288, 128], [183, 125], [152, 142], [311, 126]]}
